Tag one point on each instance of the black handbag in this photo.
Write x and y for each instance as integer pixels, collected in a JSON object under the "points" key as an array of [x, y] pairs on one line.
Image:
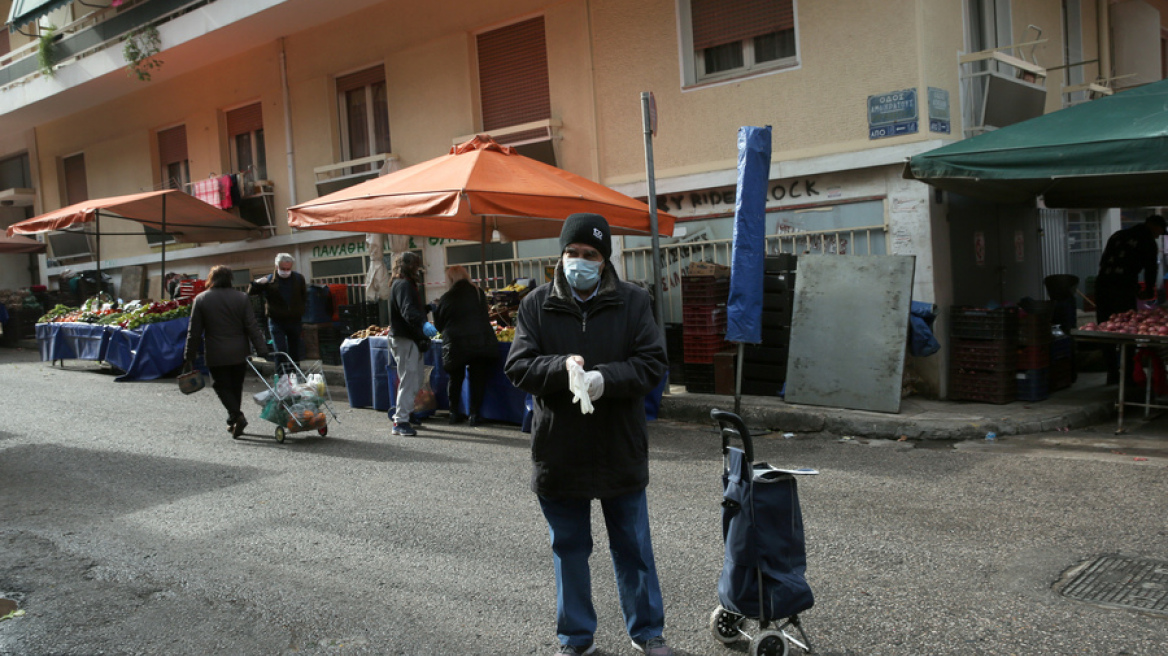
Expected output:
{"points": [[190, 381]]}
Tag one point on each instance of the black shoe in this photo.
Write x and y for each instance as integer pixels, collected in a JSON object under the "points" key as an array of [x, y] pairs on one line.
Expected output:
{"points": [[238, 426], [474, 420], [457, 418]]}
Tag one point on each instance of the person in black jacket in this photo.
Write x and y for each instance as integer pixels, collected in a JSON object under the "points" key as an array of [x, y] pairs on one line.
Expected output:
{"points": [[468, 342], [409, 338], [589, 317], [1128, 253], [286, 294], [223, 324]]}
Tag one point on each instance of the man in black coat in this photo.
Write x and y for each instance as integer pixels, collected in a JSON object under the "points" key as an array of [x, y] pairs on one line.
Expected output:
{"points": [[286, 293], [588, 317], [1117, 287], [409, 337]]}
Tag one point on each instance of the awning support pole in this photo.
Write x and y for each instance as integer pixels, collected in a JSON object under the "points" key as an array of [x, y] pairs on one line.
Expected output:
{"points": [[162, 273]]}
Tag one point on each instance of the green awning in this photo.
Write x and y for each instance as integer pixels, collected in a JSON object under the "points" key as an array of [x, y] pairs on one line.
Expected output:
{"points": [[1110, 152], [27, 11]]}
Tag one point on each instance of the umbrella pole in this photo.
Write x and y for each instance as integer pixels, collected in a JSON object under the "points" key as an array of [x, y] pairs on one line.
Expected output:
{"points": [[162, 273], [97, 239], [656, 240], [483, 252]]}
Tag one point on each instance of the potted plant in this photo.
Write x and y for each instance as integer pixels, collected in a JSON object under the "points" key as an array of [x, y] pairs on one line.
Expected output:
{"points": [[140, 50]]}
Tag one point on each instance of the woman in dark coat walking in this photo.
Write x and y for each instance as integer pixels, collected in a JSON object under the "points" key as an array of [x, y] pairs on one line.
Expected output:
{"points": [[223, 322], [468, 342]]}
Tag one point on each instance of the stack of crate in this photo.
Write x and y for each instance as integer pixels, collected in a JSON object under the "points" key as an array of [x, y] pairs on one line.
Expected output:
{"points": [[703, 325], [764, 368], [1062, 363], [1034, 337], [983, 354]]}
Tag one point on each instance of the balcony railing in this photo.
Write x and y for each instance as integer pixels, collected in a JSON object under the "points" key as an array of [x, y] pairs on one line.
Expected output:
{"points": [[91, 33]]}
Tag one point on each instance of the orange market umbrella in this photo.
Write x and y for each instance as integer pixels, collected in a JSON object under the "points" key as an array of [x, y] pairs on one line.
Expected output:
{"points": [[170, 211], [20, 245], [479, 188]]}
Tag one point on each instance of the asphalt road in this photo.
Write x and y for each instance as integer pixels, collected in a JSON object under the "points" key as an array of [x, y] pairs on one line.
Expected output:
{"points": [[130, 523]]}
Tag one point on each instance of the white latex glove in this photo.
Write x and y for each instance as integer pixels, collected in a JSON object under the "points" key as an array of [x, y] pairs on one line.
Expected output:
{"points": [[595, 383], [578, 383]]}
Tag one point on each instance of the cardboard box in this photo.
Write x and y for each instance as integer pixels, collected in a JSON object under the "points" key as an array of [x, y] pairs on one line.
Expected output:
{"points": [[708, 269]]}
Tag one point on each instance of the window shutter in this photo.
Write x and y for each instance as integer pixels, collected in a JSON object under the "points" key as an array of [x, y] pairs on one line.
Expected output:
{"points": [[172, 145], [718, 22], [360, 79], [76, 187], [513, 75], [245, 120]]}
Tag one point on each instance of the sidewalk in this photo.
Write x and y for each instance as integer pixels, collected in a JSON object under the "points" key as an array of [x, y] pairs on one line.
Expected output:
{"points": [[1085, 403]]}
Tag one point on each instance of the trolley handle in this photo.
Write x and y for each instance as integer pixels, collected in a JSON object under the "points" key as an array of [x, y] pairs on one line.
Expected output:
{"points": [[730, 425]]}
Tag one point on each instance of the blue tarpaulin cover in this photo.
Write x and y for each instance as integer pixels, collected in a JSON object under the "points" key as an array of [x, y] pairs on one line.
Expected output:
{"points": [[747, 260], [921, 340]]}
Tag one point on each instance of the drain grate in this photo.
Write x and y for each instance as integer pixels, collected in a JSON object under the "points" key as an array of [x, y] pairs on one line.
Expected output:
{"points": [[1136, 583]]}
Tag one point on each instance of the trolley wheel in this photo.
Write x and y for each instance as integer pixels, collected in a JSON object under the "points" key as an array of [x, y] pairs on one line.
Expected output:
{"points": [[323, 430], [769, 643], [725, 624], [280, 434]]}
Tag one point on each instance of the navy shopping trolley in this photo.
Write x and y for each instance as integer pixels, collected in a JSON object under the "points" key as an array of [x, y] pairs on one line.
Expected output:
{"points": [[763, 573]]}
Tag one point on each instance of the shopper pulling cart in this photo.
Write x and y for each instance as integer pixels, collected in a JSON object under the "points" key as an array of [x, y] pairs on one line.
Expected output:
{"points": [[296, 399], [765, 555]]}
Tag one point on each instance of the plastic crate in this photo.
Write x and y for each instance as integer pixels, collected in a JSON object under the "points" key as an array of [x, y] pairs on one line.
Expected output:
{"points": [[984, 354], [703, 320], [1034, 357], [704, 290], [981, 323], [700, 349], [1034, 329], [984, 386], [699, 378], [1033, 384]]}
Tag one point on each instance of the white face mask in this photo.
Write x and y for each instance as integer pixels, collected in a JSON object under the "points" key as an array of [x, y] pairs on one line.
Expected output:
{"points": [[282, 273]]}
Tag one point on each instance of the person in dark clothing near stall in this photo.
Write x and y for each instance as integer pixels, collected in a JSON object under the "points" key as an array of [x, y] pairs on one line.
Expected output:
{"points": [[409, 338], [468, 342], [224, 326], [1117, 287], [286, 294]]}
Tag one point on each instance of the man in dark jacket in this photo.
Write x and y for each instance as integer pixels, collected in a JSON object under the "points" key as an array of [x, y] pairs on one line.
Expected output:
{"points": [[286, 294], [1128, 253], [588, 317], [409, 336], [223, 324]]}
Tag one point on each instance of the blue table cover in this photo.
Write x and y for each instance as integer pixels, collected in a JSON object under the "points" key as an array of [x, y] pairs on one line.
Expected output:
{"points": [[72, 341], [150, 352], [358, 372], [3, 313]]}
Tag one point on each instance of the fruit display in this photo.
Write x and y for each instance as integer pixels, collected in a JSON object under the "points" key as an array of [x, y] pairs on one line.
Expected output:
{"points": [[504, 333], [1153, 322], [134, 315]]}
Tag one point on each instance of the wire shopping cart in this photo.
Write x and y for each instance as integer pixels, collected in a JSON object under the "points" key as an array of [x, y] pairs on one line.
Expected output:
{"points": [[296, 400]]}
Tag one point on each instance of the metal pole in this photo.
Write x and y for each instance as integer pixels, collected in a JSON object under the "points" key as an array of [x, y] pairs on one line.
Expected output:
{"points": [[97, 235], [649, 176], [162, 274]]}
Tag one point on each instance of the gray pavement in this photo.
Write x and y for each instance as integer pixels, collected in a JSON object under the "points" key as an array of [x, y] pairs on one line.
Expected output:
{"points": [[130, 523]]}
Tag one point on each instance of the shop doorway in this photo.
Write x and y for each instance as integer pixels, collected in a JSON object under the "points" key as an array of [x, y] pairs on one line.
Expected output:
{"points": [[996, 252]]}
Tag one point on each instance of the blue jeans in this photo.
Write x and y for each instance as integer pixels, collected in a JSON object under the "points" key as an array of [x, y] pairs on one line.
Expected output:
{"points": [[286, 338], [627, 520]]}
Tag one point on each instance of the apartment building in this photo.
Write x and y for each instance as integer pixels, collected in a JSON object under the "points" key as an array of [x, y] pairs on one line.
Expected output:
{"points": [[295, 98]]}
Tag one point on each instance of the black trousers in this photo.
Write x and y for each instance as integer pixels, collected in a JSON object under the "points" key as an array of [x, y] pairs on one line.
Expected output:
{"points": [[228, 385], [480, 370], [1111, 298]]}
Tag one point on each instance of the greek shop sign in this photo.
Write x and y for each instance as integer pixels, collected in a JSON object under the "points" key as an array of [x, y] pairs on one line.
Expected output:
{"points": [[717, 201], [358, 246]]}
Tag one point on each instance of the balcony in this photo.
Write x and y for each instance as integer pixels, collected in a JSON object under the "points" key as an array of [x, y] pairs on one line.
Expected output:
{"points": [[335, 177]]}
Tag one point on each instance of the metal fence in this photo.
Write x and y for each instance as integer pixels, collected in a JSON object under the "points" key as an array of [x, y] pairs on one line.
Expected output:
{"points": [[864, 240]]}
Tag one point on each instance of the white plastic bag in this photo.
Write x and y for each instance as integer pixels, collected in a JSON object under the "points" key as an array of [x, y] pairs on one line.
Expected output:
{"points": [[579, 386], [261, 399]]}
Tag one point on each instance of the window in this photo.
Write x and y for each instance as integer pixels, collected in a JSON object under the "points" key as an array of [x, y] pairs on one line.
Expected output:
{"points": [[729, 38], [513, 76], [76, 186], [15, 172], [363, 109], [172, 155], [1084, 231], [245, 132]]}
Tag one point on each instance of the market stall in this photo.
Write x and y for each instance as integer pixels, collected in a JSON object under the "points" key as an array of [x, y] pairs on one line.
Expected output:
{"points": [[1132, 343], [72, 341]]}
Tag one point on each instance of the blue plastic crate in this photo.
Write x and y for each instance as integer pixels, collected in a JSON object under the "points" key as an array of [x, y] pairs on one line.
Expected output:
{"points": [[1033, 384]]}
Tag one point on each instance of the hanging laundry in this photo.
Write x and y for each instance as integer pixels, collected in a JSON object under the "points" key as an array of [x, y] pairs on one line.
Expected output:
{"points": [[225, 193], [207, 191]]}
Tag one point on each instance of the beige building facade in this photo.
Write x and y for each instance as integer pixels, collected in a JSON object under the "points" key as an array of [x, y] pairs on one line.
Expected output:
{"points": [[296, 98]]}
